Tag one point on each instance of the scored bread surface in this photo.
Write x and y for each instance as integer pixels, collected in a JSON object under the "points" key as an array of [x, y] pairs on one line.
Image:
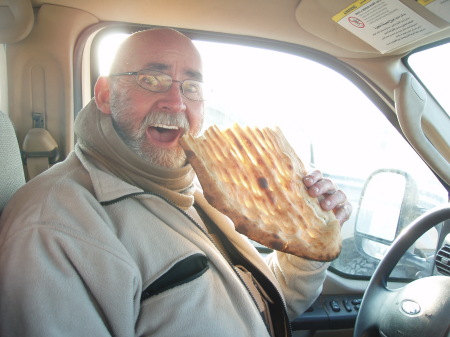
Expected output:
{"points": [[254, 177]]}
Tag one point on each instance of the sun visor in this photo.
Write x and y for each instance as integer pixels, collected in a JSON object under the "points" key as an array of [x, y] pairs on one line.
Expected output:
{"points": [[373, 26], [16, 20], [325, 28]]}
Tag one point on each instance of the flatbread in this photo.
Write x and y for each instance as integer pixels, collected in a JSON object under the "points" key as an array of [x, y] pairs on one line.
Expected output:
{"points": [[254, 177]]}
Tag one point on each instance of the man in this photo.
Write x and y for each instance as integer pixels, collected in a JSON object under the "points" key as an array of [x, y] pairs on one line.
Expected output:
{"points": [[117, 240]]}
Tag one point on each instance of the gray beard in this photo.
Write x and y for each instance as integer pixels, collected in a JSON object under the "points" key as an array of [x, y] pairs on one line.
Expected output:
{"points": [[136, 139]]}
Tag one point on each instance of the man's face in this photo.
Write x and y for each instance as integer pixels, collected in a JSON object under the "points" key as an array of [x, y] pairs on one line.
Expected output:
{"points": [[151, 123]]}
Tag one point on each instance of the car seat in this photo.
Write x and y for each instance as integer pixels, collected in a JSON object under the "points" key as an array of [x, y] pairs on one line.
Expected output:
{"points": [[12, 175]]}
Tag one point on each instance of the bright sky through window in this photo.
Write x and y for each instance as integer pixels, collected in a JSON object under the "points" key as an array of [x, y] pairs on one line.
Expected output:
{"points": [[107, 49], [433, 68]]}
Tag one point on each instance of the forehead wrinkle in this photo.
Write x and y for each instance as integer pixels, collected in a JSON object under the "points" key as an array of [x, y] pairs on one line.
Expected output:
{"points": [[164, 67], [157, 66]]}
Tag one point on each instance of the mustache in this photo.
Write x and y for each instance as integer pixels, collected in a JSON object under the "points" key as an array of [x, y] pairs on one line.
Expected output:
{"points": [[165, 118]]}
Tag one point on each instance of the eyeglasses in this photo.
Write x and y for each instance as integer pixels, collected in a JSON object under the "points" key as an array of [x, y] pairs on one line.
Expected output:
{"points": [[159, 82]]}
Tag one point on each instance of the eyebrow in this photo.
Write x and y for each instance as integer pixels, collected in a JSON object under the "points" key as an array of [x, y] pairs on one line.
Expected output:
{"points": [[162, 66]]}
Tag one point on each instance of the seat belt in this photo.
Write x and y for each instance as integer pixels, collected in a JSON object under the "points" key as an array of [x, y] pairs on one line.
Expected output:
{"points": [[39, 151]]}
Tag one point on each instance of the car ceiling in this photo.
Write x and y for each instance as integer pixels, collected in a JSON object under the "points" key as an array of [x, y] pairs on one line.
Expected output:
{"points": [[305, 22]]}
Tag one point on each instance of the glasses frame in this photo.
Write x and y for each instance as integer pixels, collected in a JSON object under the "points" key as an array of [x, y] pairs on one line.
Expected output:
{"points": [[137, 73]]}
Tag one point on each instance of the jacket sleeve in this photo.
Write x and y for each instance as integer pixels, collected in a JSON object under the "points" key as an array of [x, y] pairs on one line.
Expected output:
{"points": [[56, 283], [301, 280]]}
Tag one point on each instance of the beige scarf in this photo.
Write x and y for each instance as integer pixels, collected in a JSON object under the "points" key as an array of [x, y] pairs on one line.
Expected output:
{"points": [[99, 140]]}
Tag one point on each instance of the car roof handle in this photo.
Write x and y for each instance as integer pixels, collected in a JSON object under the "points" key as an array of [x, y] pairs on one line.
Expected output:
{"points": [[415, 110]]}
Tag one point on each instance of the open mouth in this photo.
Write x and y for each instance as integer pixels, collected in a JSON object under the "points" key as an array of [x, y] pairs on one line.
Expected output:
{"points": [[164, 135]]}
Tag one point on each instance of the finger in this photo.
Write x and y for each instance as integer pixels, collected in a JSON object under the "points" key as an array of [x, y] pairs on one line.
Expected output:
{"points": [[333, 200], [312, 177], [343, 212], [322, 187]]}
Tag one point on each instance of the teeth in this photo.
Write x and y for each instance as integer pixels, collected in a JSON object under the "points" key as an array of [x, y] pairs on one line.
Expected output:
{"points": [[171, 127]]}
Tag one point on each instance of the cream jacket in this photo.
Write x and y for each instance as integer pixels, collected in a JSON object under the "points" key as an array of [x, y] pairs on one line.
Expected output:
{"points": [[83, 253]]}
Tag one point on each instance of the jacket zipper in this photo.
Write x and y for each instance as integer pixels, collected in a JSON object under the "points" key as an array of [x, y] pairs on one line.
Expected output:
{"points": [[230, 263], [265, 281]]}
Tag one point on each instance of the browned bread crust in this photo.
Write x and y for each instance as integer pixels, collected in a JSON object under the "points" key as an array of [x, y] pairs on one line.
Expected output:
{"points": [[254, 177]]}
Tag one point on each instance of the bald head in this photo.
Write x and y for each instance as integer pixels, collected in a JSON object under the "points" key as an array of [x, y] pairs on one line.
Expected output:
{"points": [[142, 45], [151, 122]]}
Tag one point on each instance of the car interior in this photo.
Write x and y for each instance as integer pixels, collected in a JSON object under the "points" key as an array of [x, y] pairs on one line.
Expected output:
{"points": [[359, 88]]}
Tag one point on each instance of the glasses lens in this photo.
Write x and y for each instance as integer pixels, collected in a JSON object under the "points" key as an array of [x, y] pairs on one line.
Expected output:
{"points": [[160, 82], [154, 80], [193, 90]]}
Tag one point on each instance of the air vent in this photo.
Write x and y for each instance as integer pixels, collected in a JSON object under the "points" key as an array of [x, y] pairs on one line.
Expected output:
{"points": [[443, 260]]}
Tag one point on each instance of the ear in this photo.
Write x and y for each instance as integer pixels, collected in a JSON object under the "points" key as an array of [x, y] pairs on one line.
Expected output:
{"points": [[101, 94]]}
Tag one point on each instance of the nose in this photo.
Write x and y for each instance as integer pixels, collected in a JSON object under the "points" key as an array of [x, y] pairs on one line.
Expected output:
{"points": [[172, 100]]}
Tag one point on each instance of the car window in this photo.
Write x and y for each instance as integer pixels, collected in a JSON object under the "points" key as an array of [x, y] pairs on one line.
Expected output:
{"points": [[106, 49], [432, 68], [333, 127]]}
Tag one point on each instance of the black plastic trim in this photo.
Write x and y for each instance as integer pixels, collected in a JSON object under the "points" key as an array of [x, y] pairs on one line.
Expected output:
{"points": [[329, 312], [182, 272]]}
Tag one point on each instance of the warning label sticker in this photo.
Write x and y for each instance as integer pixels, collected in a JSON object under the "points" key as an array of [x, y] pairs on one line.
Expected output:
{"points": [[384, 24]]}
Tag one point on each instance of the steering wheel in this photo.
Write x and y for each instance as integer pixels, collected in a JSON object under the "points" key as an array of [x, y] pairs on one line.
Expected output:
{"points": [[421, 308]]}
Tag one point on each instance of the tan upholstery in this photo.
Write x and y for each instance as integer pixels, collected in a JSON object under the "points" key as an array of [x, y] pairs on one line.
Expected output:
{"points": [[17, 19], [11, 173]]}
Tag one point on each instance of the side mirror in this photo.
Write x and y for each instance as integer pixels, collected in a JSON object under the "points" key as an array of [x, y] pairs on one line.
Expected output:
{"points": [[382, 212]]}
